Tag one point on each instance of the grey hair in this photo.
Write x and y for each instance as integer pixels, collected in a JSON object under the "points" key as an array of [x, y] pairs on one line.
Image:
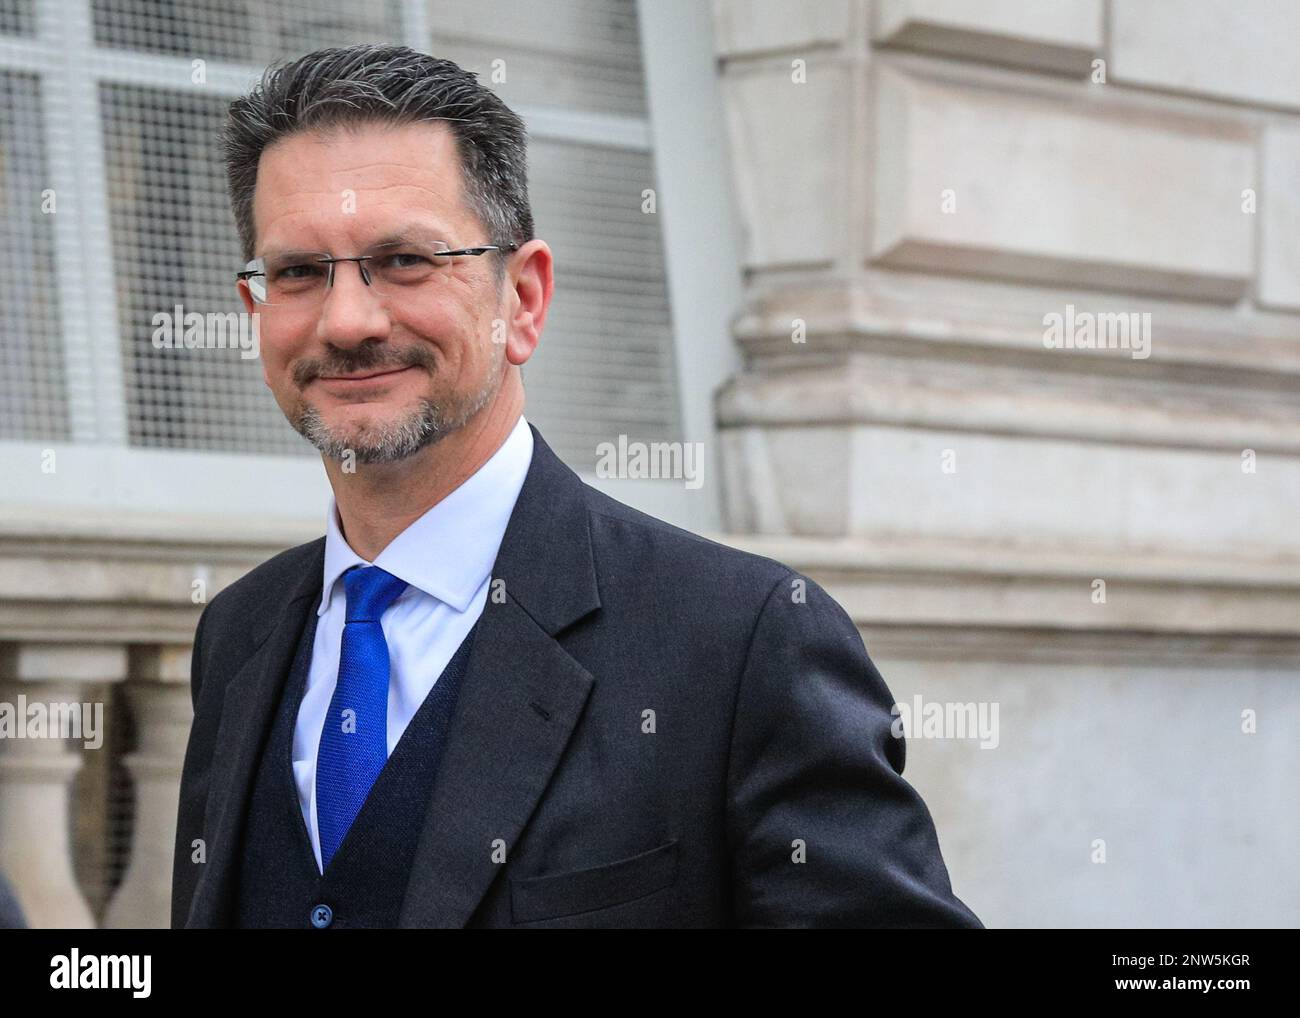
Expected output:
{"points": [[353, 86]]}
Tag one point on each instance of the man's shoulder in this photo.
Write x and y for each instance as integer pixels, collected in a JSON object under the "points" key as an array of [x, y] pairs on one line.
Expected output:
{"points": [[267, 586], [636, 541]]}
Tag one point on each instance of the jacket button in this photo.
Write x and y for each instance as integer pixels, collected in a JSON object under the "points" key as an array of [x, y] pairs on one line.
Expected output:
{"points": [[322, 916]]}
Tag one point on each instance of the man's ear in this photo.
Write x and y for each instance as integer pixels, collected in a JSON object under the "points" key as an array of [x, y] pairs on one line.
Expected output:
{"points": [[250, 307], [532, 278]]}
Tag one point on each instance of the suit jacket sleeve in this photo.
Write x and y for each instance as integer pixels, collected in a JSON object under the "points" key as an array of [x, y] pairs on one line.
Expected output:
{"points": [[813, 762]]}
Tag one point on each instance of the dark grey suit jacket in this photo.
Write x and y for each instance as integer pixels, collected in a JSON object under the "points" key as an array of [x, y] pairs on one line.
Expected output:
{"points": [[655, 730]]}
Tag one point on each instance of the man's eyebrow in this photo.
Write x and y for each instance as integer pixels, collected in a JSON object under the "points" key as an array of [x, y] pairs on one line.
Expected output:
{"points": [[409, 234], [404, 236]]}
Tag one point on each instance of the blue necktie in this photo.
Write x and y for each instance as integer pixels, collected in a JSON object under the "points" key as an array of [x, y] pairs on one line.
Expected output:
{"points": [[354, 742]]}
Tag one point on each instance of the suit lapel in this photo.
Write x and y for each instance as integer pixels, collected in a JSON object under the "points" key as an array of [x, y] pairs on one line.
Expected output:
{"points": [[519, 701], [247, 712], [517, 708]]}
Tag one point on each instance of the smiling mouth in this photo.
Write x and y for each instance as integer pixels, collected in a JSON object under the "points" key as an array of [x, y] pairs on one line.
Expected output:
{"points": [[372, 376]]}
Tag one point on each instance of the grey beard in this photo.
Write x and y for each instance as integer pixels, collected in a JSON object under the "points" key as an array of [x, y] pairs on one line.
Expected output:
{"points": [[423, 426]]}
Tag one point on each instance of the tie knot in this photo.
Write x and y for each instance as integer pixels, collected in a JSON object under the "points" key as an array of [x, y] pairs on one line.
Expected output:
{"points": [[370, 591]]}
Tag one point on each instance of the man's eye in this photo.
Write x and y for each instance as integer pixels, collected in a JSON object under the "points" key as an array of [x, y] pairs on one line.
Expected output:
{"points": [[297, 272], [405, 260]]}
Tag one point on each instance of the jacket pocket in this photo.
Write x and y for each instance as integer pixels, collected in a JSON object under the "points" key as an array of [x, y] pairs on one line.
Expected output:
{"points": [[553, 895]]}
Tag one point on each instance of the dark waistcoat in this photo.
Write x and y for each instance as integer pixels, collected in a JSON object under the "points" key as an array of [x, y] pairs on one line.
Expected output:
{"points": [[279, 884]]}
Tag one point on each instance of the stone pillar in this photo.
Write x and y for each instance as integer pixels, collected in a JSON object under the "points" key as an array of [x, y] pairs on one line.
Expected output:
{"points": [[36, 774], [159, 694]]}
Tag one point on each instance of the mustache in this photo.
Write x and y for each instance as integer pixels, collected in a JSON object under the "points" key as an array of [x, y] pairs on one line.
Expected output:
{"points": [[363, 358]]}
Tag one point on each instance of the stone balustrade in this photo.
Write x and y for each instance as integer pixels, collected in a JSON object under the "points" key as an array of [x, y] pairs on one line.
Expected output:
{"points": [[101, 613]]}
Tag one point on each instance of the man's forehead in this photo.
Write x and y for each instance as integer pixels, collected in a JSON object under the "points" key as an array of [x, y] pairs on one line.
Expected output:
{"points": [[424, 139], [377, 182], [308, 230], [420, 155]]}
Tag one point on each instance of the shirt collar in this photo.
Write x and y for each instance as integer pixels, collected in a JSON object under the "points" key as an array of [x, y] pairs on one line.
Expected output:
{"points": [[449, 551]]}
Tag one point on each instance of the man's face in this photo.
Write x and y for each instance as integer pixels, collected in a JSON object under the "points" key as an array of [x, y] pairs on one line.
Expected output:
{"points": [[430, 356]]}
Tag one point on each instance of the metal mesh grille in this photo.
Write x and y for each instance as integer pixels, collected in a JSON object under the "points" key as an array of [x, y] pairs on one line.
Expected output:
{"points": [[575, 54], [17, 17], [603, 367], [102, 817], [174, 243], [33, 401], [242, 31]]}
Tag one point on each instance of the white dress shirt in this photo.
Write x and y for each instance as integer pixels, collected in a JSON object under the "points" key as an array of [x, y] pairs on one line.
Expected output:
{"points": [[446, 556]]}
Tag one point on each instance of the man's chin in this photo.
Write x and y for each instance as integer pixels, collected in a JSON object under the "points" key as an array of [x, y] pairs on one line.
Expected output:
{"points": [[374, 440], [367, 449]]}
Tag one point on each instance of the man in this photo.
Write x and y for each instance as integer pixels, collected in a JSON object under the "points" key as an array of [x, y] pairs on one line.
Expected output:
{"points": [[491, 696]]}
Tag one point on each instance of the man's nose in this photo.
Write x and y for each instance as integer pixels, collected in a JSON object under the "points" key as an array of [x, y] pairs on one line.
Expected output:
{"points": [[351, 311]]}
